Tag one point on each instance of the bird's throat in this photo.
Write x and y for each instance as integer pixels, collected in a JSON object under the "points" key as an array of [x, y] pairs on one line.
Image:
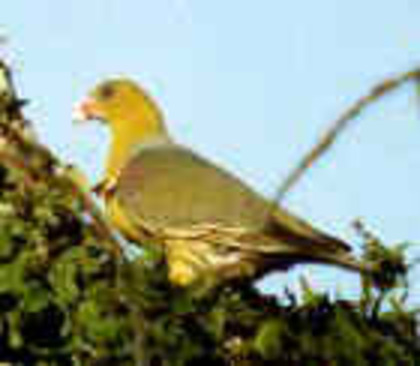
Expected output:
{"points": [[125, 137]]}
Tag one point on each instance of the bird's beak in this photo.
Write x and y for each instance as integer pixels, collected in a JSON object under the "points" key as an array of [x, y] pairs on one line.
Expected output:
{"points": [[86, 110]]}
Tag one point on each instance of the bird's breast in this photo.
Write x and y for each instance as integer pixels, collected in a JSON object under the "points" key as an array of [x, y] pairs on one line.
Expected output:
{"points": [[121, 220]]}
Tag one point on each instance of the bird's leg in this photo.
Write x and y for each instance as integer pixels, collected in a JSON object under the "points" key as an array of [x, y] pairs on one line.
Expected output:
{"points": [[105, 188]]}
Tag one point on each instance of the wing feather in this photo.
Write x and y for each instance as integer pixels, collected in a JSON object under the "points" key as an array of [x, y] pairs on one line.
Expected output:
{"points": [[168, 185]]}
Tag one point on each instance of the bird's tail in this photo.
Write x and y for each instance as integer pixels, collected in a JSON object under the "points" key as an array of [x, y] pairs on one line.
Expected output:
{"points": [[301, 243], [286, 227], [285, 261], [344, 260]]}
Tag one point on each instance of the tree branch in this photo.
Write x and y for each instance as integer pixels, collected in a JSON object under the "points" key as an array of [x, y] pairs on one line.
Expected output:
{"points": [[338, 126]]}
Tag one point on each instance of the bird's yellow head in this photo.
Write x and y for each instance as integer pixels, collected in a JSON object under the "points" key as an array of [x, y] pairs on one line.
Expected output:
{"points": [[122, 104], [131, 114]]}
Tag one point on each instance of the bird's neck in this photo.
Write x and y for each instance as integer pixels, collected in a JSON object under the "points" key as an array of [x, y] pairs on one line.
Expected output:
{"points": [[125, 138]]}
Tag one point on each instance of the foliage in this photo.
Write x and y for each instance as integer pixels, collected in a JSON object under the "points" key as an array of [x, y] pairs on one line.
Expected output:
{"points": [[68, 296], [234, 324], [59, 297]]}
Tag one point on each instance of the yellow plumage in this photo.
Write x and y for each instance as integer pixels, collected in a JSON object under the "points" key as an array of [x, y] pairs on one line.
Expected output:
{"points": [[210, 223]]}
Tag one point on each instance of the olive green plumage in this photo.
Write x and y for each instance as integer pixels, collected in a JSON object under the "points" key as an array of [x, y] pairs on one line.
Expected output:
{"points": [[209, 221]]}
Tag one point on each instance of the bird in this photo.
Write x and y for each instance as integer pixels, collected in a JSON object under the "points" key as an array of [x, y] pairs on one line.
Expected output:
{"points": [[209, 222]]}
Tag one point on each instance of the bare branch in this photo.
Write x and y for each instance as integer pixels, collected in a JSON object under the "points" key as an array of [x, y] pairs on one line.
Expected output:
{"points": [[338, 126]]}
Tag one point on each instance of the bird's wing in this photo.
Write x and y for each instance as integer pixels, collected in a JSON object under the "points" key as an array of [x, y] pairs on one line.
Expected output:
{"points": [[169, 186]]}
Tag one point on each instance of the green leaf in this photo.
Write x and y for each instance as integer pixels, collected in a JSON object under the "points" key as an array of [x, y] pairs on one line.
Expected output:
{"points": [[268, 339], [62, 277]]}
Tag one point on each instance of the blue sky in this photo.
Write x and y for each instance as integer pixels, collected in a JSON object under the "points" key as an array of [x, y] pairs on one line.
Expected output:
{"points": [[251, 85]]}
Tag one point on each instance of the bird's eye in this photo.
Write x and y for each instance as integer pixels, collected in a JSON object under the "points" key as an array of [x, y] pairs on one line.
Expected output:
{"points": [[107, 92]]}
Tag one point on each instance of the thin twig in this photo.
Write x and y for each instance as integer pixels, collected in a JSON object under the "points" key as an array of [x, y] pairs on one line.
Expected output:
{"points": [[338, 126]]}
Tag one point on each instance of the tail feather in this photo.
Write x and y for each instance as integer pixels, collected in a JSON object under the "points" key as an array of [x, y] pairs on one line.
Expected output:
{"points": [[302, 234], [307, 245], [284, 262], [345, 260]]}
